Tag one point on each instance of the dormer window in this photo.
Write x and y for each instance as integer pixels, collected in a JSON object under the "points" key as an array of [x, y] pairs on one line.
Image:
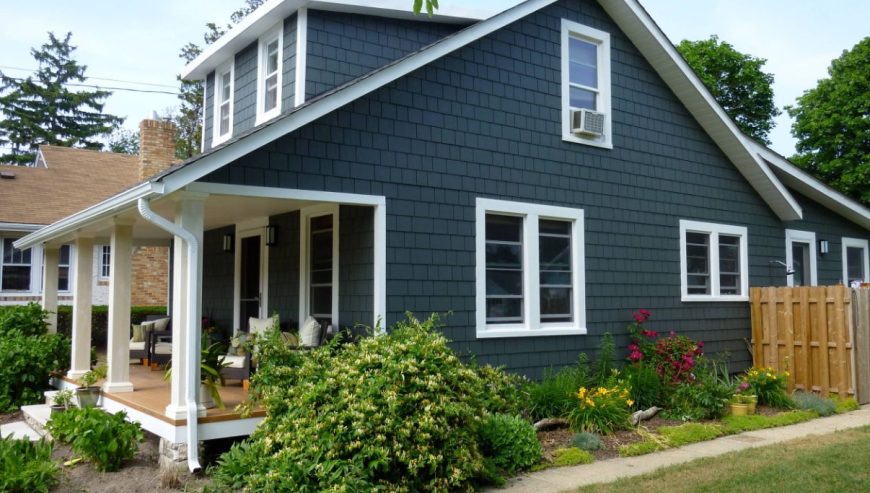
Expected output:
{"points": [[223, 104], [586, 114], [269, 80]]}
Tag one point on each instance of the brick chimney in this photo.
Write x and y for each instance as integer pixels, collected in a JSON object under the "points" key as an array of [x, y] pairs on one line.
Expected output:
{"points": [[156, 147]]}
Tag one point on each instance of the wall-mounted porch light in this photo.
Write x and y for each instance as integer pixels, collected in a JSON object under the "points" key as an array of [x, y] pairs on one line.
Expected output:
{"points": [[824, 247], [271, 232], [227, 243]]}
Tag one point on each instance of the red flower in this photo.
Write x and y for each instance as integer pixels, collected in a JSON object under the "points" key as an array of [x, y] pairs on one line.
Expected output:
{"points": [[633, 347], [635, 356], [649, 333], [641, 315]]}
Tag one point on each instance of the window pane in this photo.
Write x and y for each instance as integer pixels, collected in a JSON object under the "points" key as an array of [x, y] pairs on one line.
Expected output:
{"points": [[855, 264], [504, 310], [729, 264], [271, 99], [554, 227], [581, 98], [321, 277], [63, 279], [272, 57], [558, 278], [582, 52], [8, 250], [800, 264], [15, 278], [321, 222], [698, 284], [225, 118], [555, 253], [503, 228], [729, 284], [583, 75], [225, 87], [321, 300], [64, 255], [503, 255], [504, 282], [555, 304]]}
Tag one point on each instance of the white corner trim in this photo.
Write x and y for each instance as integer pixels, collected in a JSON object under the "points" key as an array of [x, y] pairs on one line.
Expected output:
{"points": [[856, 243], [714, 230], [217, 138], [531, 325], [602, 40], [305, 216], [203, 116], [808, 237], [276, 33], [301, 55]]}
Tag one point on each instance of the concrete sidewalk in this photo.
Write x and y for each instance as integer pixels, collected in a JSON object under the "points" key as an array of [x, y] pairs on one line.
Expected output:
{"points": [[568, 478]]}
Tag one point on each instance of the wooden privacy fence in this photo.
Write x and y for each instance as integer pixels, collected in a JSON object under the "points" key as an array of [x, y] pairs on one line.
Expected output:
{"points": [[819, 334]]}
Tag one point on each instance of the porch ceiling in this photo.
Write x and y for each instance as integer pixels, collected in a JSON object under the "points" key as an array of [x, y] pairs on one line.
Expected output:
{"points": [[220, 211]]}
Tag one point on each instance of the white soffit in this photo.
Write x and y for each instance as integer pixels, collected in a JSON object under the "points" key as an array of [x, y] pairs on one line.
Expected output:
{"points": [[630, 16], [274, 11]]}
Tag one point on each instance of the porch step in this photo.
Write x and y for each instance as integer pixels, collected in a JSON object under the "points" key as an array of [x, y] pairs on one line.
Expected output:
{"points": [[19, 430], [49, 396], [36, 416]]}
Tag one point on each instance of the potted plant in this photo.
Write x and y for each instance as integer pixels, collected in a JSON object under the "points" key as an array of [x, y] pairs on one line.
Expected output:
{"points": [[87, 393], [743, 396], [61, 401], [210, 365]]}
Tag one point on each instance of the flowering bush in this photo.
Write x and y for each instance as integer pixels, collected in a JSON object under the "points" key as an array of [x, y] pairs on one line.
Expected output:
{"points": [[674, 357], [769, 386], [601, 409]]}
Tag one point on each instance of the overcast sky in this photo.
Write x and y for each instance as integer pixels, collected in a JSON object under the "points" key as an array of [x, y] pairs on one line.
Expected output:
{"points": [[139, 40]]}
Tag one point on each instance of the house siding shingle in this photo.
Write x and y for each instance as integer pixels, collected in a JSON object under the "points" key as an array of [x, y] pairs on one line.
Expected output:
{"points": [[218, 270], [284, 270], [356, 266]]}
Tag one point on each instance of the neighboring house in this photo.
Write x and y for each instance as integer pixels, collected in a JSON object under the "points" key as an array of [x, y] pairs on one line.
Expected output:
{"points": [[539, 174], [60, 182]]}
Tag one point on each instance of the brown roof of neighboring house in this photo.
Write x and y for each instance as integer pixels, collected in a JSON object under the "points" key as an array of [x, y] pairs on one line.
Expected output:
{"points": [[72, 180]]}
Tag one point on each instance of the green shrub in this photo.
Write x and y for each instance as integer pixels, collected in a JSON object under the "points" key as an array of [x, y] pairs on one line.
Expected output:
{"points": [[399, 412], [555, 395], [689, 433], [26, 319], [640, 448], [739, 424], [506, 393], [571, 457], [812, 402], [846, 405], [25, 365], [707, 397], [770, 387], [586, 441], [509, 442], [601, 409], [27, 466], [604, 364], [647, 389], [105, 439]]}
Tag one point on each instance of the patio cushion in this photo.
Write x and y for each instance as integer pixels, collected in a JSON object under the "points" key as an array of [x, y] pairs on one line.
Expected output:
{"points": [[163, 348], [309, 333], [258, 325], [137, 346], [234, 361], [138, 333], [161, 324]]}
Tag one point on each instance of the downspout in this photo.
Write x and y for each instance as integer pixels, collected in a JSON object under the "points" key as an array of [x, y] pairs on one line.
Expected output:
{"points": [[192, 322]]}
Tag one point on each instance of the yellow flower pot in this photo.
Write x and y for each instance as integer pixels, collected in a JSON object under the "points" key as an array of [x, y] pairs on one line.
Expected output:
{"points": [[739, 409]]}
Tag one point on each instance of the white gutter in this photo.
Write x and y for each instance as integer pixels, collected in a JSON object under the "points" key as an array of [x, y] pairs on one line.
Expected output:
{"points": [[107, 208], [193, 335]]}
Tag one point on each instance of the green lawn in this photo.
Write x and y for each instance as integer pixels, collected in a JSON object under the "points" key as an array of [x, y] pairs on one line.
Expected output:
{"points": [[838, 462]]}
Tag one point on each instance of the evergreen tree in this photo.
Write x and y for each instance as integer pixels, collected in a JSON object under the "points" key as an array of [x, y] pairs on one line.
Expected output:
{"points": [[41, 109]]}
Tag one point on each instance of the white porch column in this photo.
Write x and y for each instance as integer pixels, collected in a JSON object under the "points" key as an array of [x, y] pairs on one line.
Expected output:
{"points": [[82, 298], [120, 273], [189, 215], [49, 285]]}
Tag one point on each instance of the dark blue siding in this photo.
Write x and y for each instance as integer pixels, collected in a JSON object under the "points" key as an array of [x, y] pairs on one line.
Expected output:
{"points": [[356, 266], [245, 89], [208, 110], [217, 280], [288, 74], [284, 270], [484, 121], [341, 47]]}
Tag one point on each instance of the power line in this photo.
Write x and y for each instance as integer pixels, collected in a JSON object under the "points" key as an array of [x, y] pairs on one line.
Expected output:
{"points": [[93, 86], [96, 78]]}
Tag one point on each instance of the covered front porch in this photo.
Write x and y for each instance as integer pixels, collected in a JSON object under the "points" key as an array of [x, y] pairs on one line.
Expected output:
{"points": [[238, 252]]}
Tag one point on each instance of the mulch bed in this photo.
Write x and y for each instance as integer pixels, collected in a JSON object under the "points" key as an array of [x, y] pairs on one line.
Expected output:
{"points": [[10, 417]]}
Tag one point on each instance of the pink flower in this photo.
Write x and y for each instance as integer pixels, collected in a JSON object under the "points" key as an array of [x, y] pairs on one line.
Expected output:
{"points": [[649, 333], [633, 347], [641, 315], [635, 356]]}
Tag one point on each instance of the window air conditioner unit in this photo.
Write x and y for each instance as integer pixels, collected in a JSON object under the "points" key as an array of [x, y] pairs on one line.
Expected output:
{"points": [[587, 122]]}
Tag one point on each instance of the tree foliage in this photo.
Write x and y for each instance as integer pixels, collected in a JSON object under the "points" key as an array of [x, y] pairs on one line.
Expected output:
{"points": [[42, 109], [188, 120], [737, 81], [124, 141], [832, 124]]}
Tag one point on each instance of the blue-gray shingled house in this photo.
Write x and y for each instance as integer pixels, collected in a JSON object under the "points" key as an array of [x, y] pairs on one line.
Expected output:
{"points": [[539, 173]]}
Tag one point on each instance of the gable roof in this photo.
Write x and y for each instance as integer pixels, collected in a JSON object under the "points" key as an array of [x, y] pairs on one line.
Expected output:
{"points": [[628, 15], [70, 180]]}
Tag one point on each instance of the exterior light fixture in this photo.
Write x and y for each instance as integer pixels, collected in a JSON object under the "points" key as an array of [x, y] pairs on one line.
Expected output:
{"points": [[271, 232], [824, 247], [227, 243]]}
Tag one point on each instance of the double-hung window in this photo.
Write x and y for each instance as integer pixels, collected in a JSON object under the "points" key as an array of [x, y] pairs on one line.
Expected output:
{"points": [[586, 112], [529, 270], [63, 268], [223, 104], [15, 267], [713, 262], [856, 261], [105, 261], [319, 227], [269, 78]]}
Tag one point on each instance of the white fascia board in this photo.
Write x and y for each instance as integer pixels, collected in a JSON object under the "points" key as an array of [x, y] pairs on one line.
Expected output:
{"points": [[810, 186], [631, 17], [19, 227], [109, 207], [307, 114], [273, 11]]}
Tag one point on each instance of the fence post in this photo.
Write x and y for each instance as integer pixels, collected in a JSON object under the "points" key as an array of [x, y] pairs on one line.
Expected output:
{"points": [[861, 343]]}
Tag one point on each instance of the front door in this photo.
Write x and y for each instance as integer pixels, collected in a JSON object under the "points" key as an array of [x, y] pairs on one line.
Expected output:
{"points": [[250, 295], [800, 263]]}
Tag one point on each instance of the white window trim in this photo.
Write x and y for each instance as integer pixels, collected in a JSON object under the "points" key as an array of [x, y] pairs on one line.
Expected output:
{"points": [[100, 263], [305, 216], [531, 325], [856, 243], [217, 138], [276, 33], [714, 230], [796, 236], [602, 39]]}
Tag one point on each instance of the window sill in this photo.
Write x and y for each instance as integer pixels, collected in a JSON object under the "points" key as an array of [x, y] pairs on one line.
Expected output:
{"points": [[218, 140], [265, 117], [492, 333], [706, 298], [605, 143]]}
